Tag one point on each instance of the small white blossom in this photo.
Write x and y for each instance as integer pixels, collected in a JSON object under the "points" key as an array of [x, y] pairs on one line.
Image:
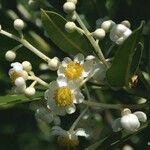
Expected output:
{"points": [[53, 63], [10, 55], [129, 121], [119, 33], [70, 27], [18, 77], [107, 25], [69, 7], [30, 91], [27, 66], [62, 95], [99, 33], [75, 70], [68, 138], [73, 1], [19, 24]]}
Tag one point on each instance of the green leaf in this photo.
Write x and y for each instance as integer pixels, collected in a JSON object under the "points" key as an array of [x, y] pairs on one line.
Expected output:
{"points": [[71, 43], [13, 99], [120, 72]]}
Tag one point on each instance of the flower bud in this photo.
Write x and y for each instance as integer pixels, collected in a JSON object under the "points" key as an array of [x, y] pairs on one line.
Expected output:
{"points": [[106, 25], [27, 66], [30, 91], [130, 122], [126, 23], [70, 26], [24, 74], [73, 1], [69, 7], [10, 55], [18, 24], [19, 82], [33, 4], [99, 34], [54, 63]]}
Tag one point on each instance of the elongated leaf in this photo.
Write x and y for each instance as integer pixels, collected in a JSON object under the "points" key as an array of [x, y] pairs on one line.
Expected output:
{"points": [[119, 73], [12, 99], [71, 43]]}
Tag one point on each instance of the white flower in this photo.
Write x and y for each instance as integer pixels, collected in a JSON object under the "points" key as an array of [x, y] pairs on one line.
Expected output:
{"points": [[68, 138], [76, 69], [61, 96], [18, 77], [119, 33], [99, 69], [129, 121]]}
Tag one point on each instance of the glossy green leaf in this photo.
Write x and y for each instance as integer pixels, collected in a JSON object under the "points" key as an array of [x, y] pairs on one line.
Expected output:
{"points": [[13, 99], [71, 43], [120, 72]]}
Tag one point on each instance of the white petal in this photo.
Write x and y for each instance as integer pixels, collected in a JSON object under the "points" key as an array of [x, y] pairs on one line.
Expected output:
{"points": [[60, 71], [66, 61], [88, 65], [116, 126], [17, 66], [71, 109], [62, 81], [79, 58], [130, 122], [141, 116], [81, 132], [73, 85], [78, 97]]}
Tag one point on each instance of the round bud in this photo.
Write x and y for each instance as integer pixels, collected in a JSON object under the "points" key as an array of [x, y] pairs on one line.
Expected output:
{"points": [[20, 82], [126, 23], [27, 66], [106, 25], [18, 24], [130, 122], [30, 91], [73, 1], [99, 34], [70, 26], [10, 55], [69, 7], [54, 63], [126, 111], [24, 74]]}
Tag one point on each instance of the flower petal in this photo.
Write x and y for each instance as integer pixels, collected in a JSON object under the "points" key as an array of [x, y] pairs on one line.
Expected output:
{"points": [[60, 71], [66, 61], [81, 132], [79, 58], [141, 116], [88, 65], [62, 81], [78, 97], [116, 125], [71, 109]]}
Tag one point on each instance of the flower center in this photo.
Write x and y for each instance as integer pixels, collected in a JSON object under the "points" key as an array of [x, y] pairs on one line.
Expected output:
{"points": [[73, 70], [14, 75], [66, 141], [63, 97]]}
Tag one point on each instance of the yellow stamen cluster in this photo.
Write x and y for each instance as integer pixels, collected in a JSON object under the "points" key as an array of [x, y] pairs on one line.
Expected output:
{"points": [[63, 97], [14, 75], [73, 70]]}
